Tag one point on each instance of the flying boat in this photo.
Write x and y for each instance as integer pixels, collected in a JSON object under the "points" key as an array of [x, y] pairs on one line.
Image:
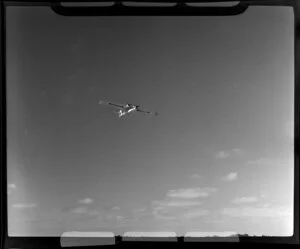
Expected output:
{"points": [[126, 109]]}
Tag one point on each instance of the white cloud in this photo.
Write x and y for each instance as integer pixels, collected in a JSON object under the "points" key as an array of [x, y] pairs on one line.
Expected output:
{"points": [[115, 208], [108, 216], [238, 151], [262, 195], [260, 212], [222, 155], [138, 210], [268, 161], [196, 176], [12, 186], [192, 214], [84, 210], [163, 216], [264, 205], [24, 205], [86, 201], [262, 161], [80, 210], [190, 193], [171, 203], [285, 160], [181, 204], [140, 213], [169, 212], [161, 211], [231, 176], [119, 218], [123, 220], [174, 208], [242, 200]]}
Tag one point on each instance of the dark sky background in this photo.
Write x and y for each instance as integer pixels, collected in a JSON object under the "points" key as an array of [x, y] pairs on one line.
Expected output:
{"points": [[219, 157]]}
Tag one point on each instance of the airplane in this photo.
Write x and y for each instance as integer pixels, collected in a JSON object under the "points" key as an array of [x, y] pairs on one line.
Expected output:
{"points": [[126, 109]]}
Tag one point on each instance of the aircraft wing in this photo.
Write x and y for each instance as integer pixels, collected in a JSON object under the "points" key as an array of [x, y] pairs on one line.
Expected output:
{"points": [[111, 104], [155, 113]]}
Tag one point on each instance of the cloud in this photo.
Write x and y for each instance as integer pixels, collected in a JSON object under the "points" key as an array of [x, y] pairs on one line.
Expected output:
{"points": [[182, 203], [171, 203], [12, 186], [163, 215], [268, 161], [94, 213], [172, 210], [140, 210], [80, 210], [262, 161], [283, 161], [196, 176], [238, 151], [190, 193], [258, 212], [115, 208], [196, 213], [262, 195], [86, 201], [222, 155], [233, 152], [24, 205], [231, 176], [161, 211], [141, 213], [120, 218], [84, 210], [242, 200]]}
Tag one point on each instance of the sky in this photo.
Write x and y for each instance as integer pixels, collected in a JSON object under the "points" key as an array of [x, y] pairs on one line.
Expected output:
{"points": [[217, 158]]}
